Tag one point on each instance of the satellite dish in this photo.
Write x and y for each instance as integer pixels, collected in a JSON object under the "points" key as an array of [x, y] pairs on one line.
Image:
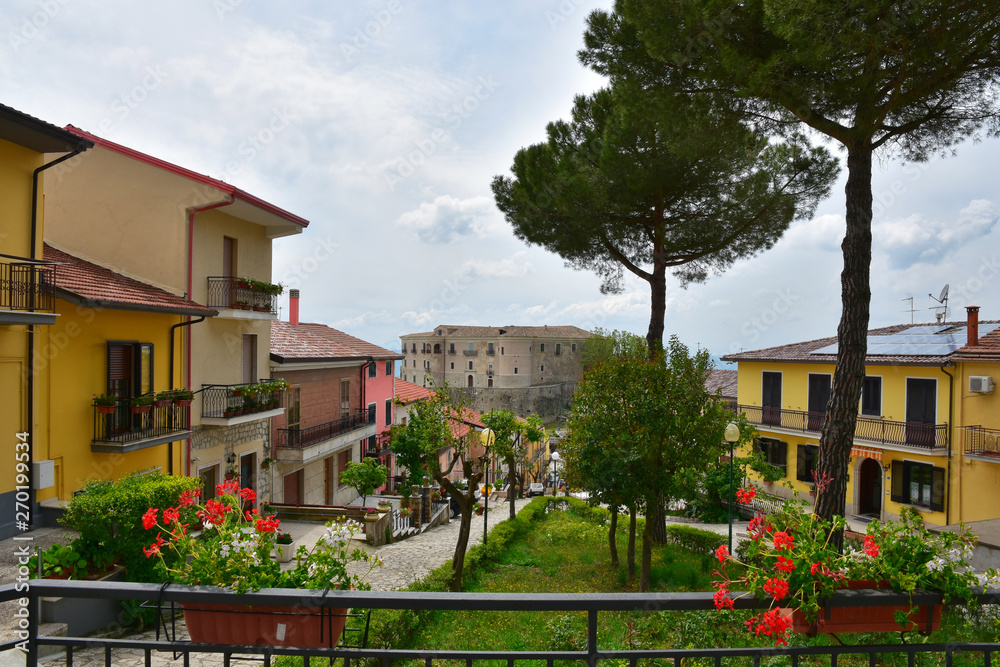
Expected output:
{"points": [[944, 294], [942, 299]]}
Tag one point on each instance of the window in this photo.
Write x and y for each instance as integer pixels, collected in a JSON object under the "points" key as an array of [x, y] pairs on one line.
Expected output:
{"points": [[249, 358], [541, 347], [389, 368], [871, 396], [427, 364], [921, 412], [471, 348], [489, 370], [129, 368], [372, 412], [501, 350], [388, 412], [918, 484], [775, 452], [437, 348], [470, 381], [573, 348], [819, 396], [771, 398], [414, 348], [209, 478], [451, 348], [345, 397], [372, 370], [294, 413], [541, 368], [515, 370], [453, 365], [489, 382], [489, 348], [470, 365], [805, 463], [558, 349]]}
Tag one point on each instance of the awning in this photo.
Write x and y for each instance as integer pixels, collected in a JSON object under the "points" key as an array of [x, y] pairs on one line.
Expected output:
{"points": [[865, 452]]}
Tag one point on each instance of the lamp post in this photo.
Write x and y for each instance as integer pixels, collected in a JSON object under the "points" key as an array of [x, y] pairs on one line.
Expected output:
{"points": [[488, 437], [731, 436], [556, 458]]}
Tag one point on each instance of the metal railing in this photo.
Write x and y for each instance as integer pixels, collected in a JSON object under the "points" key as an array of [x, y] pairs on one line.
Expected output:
{"points": [[230, 292], [164, 597], [123, 424], [470, 353], [868, 429], [982, 441], [304, 437], [27, 286], [225, 401]]}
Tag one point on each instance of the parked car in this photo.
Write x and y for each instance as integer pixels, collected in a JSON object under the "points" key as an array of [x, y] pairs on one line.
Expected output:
{"points": [[536, 489]]}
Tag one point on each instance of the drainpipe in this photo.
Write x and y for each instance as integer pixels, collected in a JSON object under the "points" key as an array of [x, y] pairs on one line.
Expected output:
{"points": [[170, 447], [951, 427], [31, 328], [190, 283]]}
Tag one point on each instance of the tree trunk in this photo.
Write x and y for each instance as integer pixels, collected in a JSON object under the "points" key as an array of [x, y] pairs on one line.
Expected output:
{"points": [[511, 486], [465, 502], [647, 557], [631, 544], [656, 520], [842, 410], [657, 300], [613, 536]]}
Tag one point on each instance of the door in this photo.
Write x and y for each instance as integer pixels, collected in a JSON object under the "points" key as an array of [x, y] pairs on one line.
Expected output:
{"points": [[293, 488], [771, 399], [248, 478], [819, 396], [209, 478], [870, 488], [921, 411]]}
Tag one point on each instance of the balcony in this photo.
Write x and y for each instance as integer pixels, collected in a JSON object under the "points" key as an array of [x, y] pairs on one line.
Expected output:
{"points": [[981, 441], [156, 646], [27, 292], [121, 430], [928, 438], [242, 298], [302, 445], [470, 353], [231, 404]]}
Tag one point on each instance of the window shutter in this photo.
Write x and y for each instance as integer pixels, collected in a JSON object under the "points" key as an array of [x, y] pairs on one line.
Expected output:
{"points": [[937, 489], [802, 464], [898, 492], [780, 450]]}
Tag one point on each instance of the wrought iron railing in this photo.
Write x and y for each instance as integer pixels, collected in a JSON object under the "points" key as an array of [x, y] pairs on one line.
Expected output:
{"points": [[121, 423], [296, 438], [27, 286], [230, 292], [868, 429], [470, 353], [225, 401], [111, 651], [982, 441]]}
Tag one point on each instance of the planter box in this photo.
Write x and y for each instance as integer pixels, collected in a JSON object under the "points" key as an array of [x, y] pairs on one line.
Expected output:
{"points": [[283, 553], [245, 625], [84, 615], [924, 618]]}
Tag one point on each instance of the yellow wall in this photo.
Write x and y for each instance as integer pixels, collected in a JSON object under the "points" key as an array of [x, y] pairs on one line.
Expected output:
{"points": [[75, 371], [16, 166]]}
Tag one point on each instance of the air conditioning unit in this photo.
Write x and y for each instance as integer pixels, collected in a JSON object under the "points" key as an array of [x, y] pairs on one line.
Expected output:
{"points": [[980, 384]]}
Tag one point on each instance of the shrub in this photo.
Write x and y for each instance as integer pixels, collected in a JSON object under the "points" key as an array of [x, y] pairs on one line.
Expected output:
{"points": [[108, 516], [695, 539]]}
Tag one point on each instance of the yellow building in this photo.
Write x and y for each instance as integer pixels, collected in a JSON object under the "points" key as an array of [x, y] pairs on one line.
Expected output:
{"points": [[928, 419], [193, 238], [28, 148]]}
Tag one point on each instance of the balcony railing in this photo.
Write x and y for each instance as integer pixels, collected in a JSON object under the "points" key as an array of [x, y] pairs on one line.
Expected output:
{"points": [[470, 353], [298, 438], [982, 441], [545, 606], [123, 426], [229, 292], [27, 286], [875, 431], [225, 401]]}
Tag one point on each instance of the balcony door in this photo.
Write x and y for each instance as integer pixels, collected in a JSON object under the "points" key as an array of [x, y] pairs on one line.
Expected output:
{"points": [[921, 411], [771, 398], [249, 358], [819, 396], [248, 476], [345, 397], [130, 374]]}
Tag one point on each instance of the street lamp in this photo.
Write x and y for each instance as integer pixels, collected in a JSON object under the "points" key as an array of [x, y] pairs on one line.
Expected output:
{"points": [[555, 473], [488, 437], [731, 436]]}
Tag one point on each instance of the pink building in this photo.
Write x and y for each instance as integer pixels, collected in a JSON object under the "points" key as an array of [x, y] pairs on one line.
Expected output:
{"points": [[340, 402]]}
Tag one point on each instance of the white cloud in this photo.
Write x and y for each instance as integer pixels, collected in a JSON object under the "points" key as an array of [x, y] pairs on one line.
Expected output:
{"points": [[917, 239], [514, 266], [448, 219]]}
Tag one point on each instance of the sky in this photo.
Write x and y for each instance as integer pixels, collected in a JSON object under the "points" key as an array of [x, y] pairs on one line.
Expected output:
{"points": [[383, 124]]}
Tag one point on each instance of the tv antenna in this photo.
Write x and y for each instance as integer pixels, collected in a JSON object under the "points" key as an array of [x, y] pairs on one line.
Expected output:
{"points": [[911, 309], [941, 312]]}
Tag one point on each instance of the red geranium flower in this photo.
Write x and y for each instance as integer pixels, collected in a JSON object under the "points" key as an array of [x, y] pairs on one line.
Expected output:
{"points": [[757, 527], [722, 553], [776, 588], [784, 564], [722, 599], [154, 548], [171, 514], [744, 496], [772, 624], [871, 547], [783, 540], [149, 518], [248, 495], [189, 498]]}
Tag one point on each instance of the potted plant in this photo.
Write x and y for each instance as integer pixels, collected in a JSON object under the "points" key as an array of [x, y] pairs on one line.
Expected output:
{"points": [[284, 547], [105, 404], [164, 399], [477, 508], [791, 561], [183, 397], [233, 552], [384, 505], [436, 496], [405, 512], [141, 404]]}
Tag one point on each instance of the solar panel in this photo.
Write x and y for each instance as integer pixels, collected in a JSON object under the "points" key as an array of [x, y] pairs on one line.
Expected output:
{"points": [[919, 341]]}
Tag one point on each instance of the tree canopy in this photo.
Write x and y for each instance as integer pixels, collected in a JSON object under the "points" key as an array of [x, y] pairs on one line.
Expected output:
{"points": [[511, 445], [643, 179], [902, 77], [364, 476]]}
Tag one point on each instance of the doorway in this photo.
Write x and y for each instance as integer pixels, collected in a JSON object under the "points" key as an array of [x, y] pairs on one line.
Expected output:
{"points": [[870, 488]]}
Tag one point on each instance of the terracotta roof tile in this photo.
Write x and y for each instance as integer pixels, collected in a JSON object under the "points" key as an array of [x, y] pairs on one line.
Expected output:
{"points": [[462, 331], [102, 287], [724, 380], [317, 342], [988, 346], [407, 392]]}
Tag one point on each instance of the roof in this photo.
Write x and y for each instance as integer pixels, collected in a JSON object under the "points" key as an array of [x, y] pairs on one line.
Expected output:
{"points": [[723, 381], [250, 203], [86, 283], [512, 331], [19, 128], [407, 392], [987, 349], [823, 350], [311, 342]]}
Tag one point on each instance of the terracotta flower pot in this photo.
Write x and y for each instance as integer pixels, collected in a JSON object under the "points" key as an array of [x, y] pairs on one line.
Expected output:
{"points": [[866, 619], [106, 409], [182, 402], [140, 409]]}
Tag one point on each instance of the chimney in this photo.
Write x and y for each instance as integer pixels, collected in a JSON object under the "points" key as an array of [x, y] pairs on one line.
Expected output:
{"points": [[973, 325], [293, 307]]}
